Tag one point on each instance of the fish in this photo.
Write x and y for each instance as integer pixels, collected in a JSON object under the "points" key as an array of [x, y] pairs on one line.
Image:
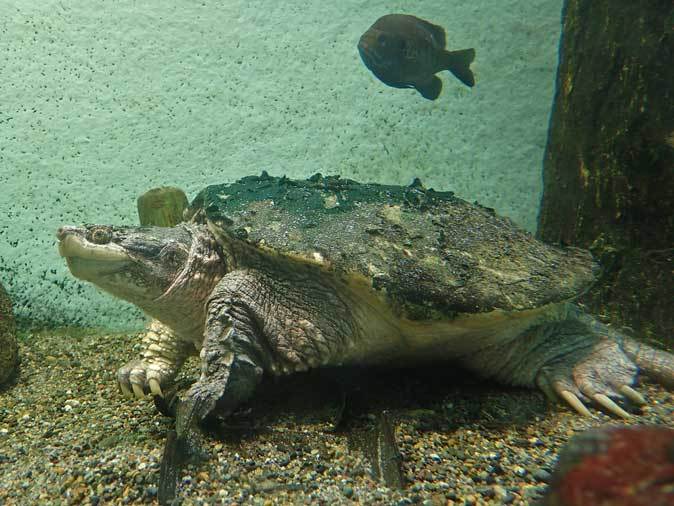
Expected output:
{"points": [[404, 51]]}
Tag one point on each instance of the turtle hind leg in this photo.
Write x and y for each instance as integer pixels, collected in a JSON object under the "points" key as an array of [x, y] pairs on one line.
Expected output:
{"points": [[575, 358], [604, 373], [602, 376]]}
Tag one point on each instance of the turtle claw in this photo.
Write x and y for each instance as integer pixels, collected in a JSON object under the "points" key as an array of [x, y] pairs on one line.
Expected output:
{"points": [[166, 404], [610, 406], [126, 391], [140, 378], [155, 388], [573, 401], [633, 396], [137, 391]]}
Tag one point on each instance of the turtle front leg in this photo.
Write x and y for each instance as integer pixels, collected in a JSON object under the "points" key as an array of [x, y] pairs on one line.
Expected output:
{"points": [[163, 354], [229, 368], [229, 375], [230, 361]]}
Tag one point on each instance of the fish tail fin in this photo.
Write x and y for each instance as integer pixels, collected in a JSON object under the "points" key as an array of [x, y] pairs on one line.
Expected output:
{"points": [[458, 63]]}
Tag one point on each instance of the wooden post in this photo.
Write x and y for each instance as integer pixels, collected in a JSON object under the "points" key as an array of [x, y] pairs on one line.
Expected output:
{"points": [[162, 207]]}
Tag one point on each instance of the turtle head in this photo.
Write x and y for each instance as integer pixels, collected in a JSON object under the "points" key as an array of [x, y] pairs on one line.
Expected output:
{"points": [[144, 265]]}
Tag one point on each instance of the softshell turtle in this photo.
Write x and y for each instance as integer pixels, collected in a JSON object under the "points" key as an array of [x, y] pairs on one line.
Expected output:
{"points": [[271, 275]]}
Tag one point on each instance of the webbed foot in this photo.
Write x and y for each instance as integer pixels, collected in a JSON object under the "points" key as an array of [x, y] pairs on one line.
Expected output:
{"points": [[605, 373]]}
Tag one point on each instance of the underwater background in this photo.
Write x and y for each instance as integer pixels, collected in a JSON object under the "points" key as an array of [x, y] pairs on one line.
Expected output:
{"points": [[105, 100], [571, 137]]}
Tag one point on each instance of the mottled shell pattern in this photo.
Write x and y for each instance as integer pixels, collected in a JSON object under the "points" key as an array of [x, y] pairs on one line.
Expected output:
{"points": [[431, 254]]}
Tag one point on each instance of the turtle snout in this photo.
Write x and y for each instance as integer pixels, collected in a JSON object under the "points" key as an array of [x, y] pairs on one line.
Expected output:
{"points": [[61, 235], [62, 232], [67, 236]]}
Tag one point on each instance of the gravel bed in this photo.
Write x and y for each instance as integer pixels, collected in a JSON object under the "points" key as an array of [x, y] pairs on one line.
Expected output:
{"points": [[67, 436]]}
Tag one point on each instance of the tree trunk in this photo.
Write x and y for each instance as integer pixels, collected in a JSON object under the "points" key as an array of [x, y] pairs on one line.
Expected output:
{"points": [[609, 163]]}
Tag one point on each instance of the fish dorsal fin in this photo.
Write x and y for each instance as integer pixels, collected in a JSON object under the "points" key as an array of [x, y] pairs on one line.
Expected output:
{"points": [[437, 32]]}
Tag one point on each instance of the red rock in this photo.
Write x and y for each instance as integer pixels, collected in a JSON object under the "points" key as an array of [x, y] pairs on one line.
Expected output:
{"points": [[615, 466]]}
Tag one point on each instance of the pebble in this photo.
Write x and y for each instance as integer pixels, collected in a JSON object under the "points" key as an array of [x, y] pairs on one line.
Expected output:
{"points": [[533, 492], [541, 475], [508, 498], [520, 471], [347, 491], [495, 469]]}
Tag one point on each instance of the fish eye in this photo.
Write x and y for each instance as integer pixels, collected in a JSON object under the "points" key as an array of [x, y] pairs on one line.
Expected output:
{"points": [[99, 235]]}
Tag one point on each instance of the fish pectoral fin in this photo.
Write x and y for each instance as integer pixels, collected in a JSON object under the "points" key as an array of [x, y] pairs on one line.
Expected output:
{"points": [[430, 89], [458, 63]]}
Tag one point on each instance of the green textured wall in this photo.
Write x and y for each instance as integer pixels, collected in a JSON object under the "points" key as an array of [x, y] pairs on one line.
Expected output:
{"points": [[102, 100]]}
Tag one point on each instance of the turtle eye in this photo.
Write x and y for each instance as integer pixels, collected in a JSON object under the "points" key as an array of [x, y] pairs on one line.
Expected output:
{"points": [[382, 40], [100, 235]]}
